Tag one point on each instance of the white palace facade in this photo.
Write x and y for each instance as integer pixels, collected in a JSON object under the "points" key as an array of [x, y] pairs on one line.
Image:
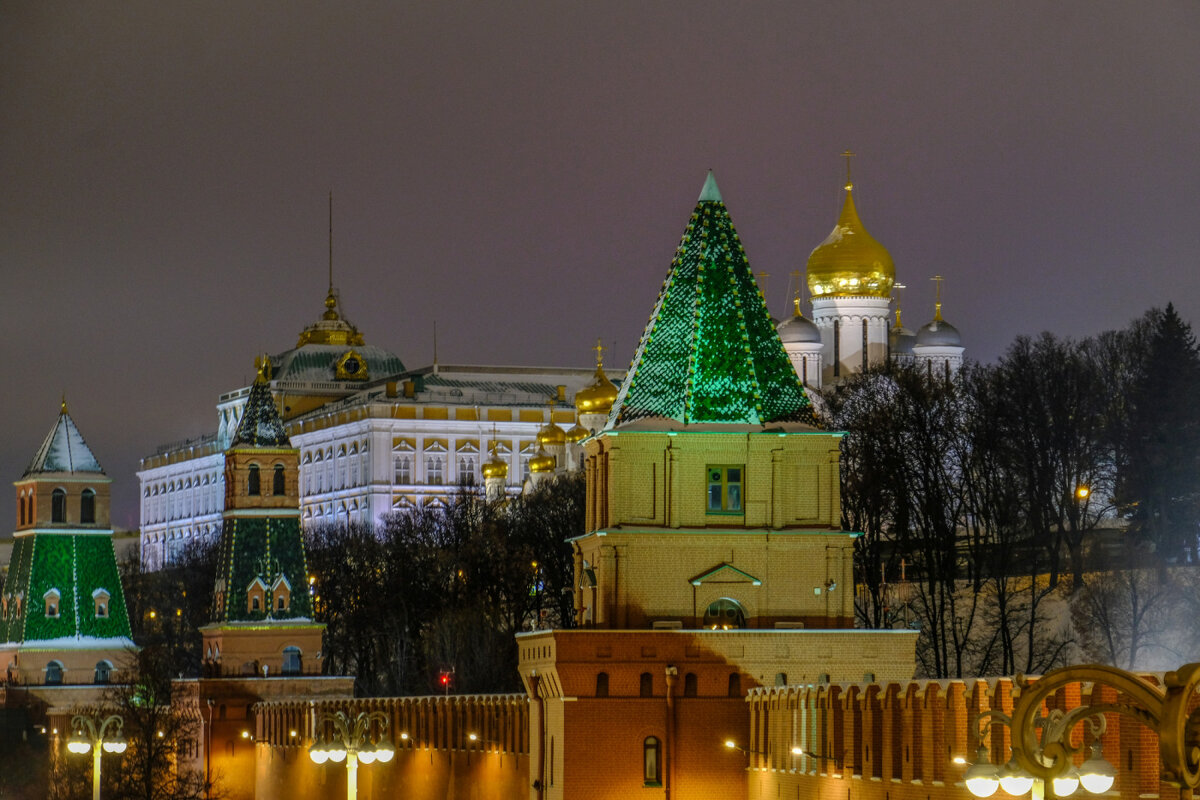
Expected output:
{"points": [[376, 437]]}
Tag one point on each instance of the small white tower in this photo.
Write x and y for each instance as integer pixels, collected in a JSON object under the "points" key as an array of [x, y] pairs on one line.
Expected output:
{"points": [[802, 341], [938, 347]]}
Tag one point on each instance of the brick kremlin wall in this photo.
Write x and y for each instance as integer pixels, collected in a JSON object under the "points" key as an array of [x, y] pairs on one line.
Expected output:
{"points": [[898, 741], [438, 760]]}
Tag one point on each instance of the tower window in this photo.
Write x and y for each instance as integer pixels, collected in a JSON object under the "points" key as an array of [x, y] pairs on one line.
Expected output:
{"points": [[689, 685], [52, 598], [277, 487], [735, 684], [724, 614], [291, 661], [254, 483], [724, 489], [87, 506], [21, 511], [100, 599], [602, 684], [103, 672], [651, 761], [58, 506], [647, 685], [54, 674]]}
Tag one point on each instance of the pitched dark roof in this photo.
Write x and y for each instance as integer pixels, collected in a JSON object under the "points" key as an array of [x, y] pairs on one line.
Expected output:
{"points": [[64, 450], [261, 425]]}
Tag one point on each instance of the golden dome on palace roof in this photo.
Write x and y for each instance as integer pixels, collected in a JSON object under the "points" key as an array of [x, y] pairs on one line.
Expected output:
{"points": [[331, 328], [550, 435], [542, 462], [599, 395], [850, 263]]}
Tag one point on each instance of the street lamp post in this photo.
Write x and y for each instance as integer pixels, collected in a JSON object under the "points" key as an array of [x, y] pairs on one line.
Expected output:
{"points": [[90, 733], [351, 742], [1042, 753]]}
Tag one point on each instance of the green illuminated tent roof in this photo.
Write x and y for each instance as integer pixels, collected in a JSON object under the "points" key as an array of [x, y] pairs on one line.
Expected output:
{"points": [[710, 353]]}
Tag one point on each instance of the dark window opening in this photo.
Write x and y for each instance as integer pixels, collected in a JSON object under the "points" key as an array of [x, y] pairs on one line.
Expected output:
{"points": [[253, 484], [54, 674], [602, 684], [647, 685], [864, 345], [277, 487], [291, 661], [837, 348], [724, 614], [103, 672], [87, 506], [735, 684], [58, 506], [689, 685]]}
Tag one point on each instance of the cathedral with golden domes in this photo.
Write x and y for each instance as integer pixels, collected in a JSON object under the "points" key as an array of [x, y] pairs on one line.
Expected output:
{"points": [[851, 278]]}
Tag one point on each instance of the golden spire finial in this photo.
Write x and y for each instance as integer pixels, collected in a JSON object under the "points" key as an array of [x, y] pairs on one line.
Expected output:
{"points": [[493, 440], [263, 365], [898, 325], [331, 242], [599, 348], [937, 305], [796, 294], [848, 155], [63, 408]]}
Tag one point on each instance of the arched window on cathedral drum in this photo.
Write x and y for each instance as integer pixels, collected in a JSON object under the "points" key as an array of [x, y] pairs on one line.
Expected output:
{"points": [[58, 506], [253, 483], [277, 487]]}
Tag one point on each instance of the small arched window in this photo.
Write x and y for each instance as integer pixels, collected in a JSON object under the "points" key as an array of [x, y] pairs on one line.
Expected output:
{"points": [[253, 484], [54, 674], [277, 487], [651, 761], [58, 506], [87, 506], [647, 685], [103, 672], [21, 511], [735, 684], [724, 614], [291, 661], [602, 684], [690, 685]]}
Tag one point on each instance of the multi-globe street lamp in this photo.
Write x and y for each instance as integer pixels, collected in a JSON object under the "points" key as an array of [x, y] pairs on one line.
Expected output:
{"points": [[90, 733], [351, 741], [1042, 752]]}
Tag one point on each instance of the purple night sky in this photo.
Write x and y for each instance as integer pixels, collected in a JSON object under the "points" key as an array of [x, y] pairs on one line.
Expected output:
{"points": [[522, 172]]}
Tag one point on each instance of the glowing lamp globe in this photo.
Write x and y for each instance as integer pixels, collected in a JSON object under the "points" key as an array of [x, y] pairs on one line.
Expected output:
{"points": [[318, 754], [337, 754], [384, 750], [982, 778], [78, 744], [116, 746], [1014, 780], [1096, 774], [366, 756], [1066, 784]]}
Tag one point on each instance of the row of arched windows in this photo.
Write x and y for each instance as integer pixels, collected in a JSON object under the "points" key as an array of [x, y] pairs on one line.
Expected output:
{"points": [[102, 674], [26, 507], [183, 498], [254, 481]]}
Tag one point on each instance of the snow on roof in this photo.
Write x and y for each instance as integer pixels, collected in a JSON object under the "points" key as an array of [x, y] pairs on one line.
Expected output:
{"points": [[64, 450], [79, 643]]}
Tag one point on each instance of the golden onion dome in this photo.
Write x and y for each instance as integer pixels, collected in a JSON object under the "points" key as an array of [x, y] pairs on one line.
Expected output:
{"points": [[577, 434], [494, 467], [599, 395], [542, 462], [850, 262], [550, 435]]}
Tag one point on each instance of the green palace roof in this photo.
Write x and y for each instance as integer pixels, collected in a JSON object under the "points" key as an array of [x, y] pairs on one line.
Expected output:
{"points": [[709, 353], [260, 425]]}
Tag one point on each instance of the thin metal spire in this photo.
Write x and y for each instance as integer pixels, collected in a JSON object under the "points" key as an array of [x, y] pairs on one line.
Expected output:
{"points": [[331, 241], [937, 305], [848, 155]]}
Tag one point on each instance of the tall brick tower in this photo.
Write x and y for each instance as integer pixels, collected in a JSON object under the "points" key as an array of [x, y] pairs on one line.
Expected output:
{"points": [[262, 613], [63, 617], [713, 562]]}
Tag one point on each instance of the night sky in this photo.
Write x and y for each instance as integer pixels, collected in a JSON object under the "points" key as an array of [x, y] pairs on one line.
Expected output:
{"points": [[522, 172]]}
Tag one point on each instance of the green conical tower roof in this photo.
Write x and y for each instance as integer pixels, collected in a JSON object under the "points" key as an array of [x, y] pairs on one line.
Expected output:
{"points": [[709, 353]]}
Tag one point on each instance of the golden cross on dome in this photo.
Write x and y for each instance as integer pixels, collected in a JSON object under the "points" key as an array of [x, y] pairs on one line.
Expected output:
{"points": [[599, 349], [763, 276], [848, 155], [937, 305]]}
